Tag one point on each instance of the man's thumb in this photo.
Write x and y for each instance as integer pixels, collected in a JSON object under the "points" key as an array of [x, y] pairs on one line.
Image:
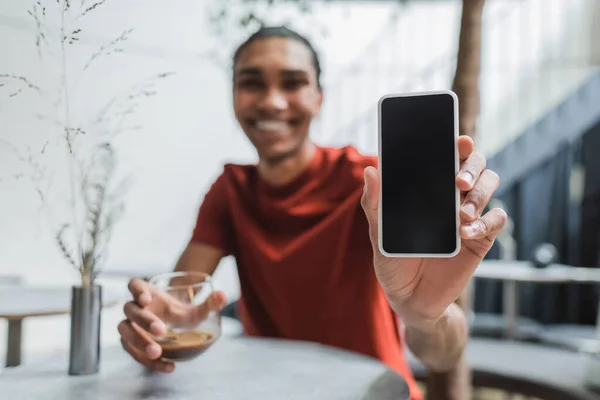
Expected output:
{"points": [[370, 202]]}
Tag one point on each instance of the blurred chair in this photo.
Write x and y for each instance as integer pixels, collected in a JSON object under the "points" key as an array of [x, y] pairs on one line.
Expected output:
{"points": [[575, 337], [492, 325], [8, 281]]}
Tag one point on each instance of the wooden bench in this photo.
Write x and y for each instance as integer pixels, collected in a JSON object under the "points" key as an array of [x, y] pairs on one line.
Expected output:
{"points": [[524, 368]]}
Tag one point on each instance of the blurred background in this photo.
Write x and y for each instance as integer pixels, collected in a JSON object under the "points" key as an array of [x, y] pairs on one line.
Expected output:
{"points": [[165, 74]]}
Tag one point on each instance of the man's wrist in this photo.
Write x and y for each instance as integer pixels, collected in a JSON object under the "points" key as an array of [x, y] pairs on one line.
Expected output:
{"points": [[426, 325], [421, 322], [438, 344]]}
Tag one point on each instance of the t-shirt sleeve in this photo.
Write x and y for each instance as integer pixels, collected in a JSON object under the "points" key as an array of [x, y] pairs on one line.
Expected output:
{"points": [[214, 224]]}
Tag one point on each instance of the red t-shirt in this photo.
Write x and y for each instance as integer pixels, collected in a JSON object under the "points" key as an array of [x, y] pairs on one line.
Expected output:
{"points": [[304, 256]]}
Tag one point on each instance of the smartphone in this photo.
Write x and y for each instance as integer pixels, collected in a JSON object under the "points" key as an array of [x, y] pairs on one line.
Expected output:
{"points": [[418, 161]]}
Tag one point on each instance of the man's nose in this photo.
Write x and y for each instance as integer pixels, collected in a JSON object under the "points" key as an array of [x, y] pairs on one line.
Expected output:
{"points": [[274, 100]]}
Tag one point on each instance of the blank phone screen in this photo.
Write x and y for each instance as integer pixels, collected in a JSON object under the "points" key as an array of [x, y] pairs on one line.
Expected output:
{"points": [[418, 169]]}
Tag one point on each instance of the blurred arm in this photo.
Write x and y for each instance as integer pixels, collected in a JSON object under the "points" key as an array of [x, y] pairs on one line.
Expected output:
{"points": [[200, 257]]}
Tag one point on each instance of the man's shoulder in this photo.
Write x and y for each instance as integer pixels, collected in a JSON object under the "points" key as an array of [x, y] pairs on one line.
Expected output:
{"points": [[237, 175], [236, 169], [233, 175]]}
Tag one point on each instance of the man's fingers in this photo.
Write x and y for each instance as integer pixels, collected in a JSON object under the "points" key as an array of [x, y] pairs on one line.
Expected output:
{"points": [[140, 291], [487, 226], [477, 198], [155, 365], [370, 203], [139, 340], [144, 318], [470, 170], [137, 355], [465, 147], [213, 303]]}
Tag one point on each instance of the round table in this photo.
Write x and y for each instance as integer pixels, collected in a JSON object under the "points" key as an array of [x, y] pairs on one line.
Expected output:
{"points": [[232, 369], [20, 302]]}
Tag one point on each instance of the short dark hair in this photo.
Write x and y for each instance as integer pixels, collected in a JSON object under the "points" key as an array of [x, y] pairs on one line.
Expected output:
{"points": [[267, 32]]}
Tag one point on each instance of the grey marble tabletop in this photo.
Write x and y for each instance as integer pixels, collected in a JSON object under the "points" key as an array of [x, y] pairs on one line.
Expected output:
{"points": [[18, 302], [232, 369]]}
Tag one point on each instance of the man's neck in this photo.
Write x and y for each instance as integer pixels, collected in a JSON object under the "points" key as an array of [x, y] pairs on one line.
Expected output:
{"points": [[286, 170]]}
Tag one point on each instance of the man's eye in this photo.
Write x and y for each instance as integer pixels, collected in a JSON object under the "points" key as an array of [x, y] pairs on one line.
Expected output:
{"points": [[250, 84], [293, 84]]}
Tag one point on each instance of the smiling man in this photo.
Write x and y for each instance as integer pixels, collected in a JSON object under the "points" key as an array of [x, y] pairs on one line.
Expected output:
{"points": [[302, 226]]}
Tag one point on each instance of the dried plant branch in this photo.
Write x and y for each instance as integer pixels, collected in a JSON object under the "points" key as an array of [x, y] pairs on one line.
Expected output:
{"points": [[64, 95], [91, 8], [64, 248], [40, 34], [114, 214], [108, 49], [21, 80], [72, 37], [125, 103], [37, 171], [29, 159], [44, 147], [101, 212]]}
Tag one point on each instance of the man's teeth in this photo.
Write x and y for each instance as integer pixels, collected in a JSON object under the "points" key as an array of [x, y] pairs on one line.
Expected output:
{"points": [[271, 125]]}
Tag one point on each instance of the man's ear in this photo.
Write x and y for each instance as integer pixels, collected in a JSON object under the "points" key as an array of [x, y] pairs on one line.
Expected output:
{"points": [[318, 103]]}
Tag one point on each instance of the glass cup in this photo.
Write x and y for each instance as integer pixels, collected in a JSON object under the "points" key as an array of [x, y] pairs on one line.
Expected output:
{"points": [[190, 313]]}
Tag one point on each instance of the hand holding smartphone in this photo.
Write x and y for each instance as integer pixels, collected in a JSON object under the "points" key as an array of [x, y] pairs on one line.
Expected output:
{"points": [[418, 162]]}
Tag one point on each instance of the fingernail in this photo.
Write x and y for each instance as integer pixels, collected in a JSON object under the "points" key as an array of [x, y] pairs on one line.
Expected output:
{"points": [[365, 178], [169, 368], [157, 328], [469, 209], [466, 176], [472, 229], [153, 351]]}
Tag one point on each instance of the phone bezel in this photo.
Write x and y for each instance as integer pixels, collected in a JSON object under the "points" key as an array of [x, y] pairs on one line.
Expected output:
{"points": [[456, 169]]}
